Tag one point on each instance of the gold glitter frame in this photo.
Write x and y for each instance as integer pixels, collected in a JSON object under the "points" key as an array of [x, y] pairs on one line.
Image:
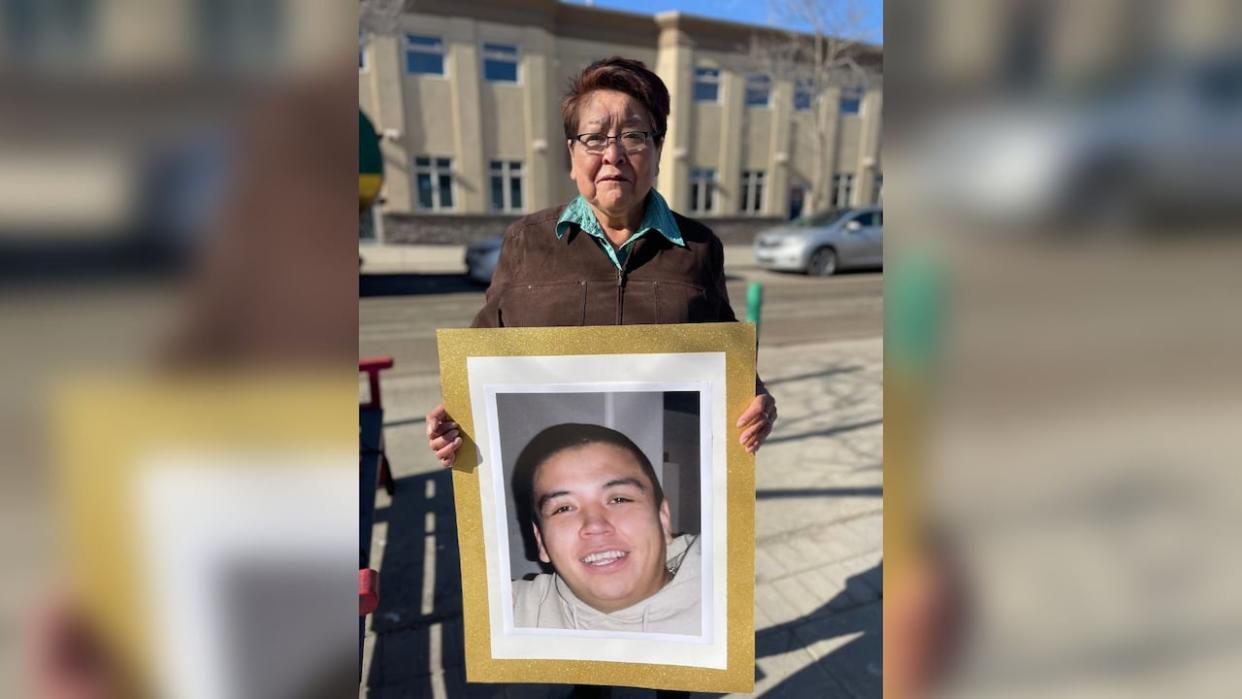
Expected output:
{"points": [[737, 342]]}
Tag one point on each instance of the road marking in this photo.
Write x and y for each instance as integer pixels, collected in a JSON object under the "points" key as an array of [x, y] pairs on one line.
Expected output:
{"points": [[435, 664], [429, 564]]}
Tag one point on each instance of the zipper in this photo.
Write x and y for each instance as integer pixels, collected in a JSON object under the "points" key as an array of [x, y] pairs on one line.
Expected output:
{"points": [[620, 290], [621, 280]]}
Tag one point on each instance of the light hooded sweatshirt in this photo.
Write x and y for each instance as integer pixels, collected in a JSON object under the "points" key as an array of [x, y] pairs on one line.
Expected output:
{"points": [[546, 602]]}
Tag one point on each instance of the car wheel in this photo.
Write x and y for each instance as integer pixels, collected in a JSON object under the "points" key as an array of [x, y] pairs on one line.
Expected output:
{"points": [[823, 263]]}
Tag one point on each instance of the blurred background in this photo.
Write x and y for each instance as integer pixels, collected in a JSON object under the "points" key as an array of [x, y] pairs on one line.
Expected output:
{"points": [[1061, 345], [177, 224]]}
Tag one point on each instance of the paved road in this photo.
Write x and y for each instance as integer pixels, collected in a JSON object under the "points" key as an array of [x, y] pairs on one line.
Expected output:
{"points": [[796, 310]]}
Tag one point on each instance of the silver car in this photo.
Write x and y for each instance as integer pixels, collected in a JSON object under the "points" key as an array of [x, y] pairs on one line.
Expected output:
{"points": [[824, 243]]}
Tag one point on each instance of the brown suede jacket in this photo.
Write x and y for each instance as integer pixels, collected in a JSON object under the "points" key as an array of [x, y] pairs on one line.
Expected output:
{"points": [[541, 280]]}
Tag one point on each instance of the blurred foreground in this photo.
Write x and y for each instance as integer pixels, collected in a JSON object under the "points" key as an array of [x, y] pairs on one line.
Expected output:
{"points": [[1061, 351]]}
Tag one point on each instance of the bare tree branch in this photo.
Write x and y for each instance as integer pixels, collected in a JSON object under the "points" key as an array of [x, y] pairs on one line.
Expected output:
{"points": [[820, 59], [378, 17]]}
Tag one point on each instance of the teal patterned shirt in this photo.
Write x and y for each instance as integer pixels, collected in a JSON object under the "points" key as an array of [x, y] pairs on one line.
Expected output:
{"points": [[658, 217]]}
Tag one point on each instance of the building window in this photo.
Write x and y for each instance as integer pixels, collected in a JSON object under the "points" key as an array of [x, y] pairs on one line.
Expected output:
{"points": [[500, 63], [851, 100], [752, 191], [842, 187], [706, 84], [362, 51], [506, 185], [233, 34], [702, 189], [878, 196], [797, 199], [434, 179], [31, 31], [758, 90], [804, 94], [424, 55]]}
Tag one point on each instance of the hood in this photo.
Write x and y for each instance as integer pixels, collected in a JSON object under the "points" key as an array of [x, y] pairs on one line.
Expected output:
{"points": [[784, 233], [684, 555]]}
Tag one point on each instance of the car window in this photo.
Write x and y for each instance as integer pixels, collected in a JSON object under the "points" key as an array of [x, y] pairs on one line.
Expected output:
{"points": [[865, 220], [821, 219]]}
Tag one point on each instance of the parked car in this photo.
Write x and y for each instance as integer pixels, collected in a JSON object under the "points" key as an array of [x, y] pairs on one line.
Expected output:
{"points": [[825, 243], [481, 257], [1159, 141]]}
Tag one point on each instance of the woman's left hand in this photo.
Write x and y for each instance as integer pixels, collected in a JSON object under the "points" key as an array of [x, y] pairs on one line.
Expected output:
{"points": [[757, 420]]}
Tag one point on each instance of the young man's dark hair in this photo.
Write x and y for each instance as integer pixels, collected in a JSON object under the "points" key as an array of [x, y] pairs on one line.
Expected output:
{"points": [[558, 438]]}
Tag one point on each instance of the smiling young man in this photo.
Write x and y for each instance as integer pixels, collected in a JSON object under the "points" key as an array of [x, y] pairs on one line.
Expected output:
{"points": [[599, 518]]}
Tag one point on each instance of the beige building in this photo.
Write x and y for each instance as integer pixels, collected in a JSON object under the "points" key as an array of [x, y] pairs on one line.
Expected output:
{"points": [[467, 99]]}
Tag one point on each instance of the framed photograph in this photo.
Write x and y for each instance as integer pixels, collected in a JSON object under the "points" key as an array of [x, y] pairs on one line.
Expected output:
{"points": [[605, 508]]}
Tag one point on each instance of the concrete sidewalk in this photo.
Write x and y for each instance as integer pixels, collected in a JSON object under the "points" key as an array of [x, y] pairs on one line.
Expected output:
{"points": [[818, 545]]}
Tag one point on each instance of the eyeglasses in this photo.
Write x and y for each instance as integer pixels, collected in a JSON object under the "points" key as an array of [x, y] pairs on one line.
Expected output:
{"points": [[631, 141]]}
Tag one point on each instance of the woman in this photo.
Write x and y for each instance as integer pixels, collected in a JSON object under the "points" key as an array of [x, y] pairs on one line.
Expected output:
{"points": [[616, 254]]}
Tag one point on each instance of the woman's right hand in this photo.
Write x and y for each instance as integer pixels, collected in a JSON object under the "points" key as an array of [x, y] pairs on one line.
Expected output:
{"points": [[442, 435]]}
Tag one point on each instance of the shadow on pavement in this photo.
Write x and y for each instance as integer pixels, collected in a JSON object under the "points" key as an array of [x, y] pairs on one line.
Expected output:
{"points": [[419, 592], [406, 284], [871, 491], [852, 669], [827, 432], [814, 375]]}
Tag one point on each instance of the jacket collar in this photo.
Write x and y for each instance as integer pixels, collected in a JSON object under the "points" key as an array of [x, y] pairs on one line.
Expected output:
{"points": [[657, 217]]}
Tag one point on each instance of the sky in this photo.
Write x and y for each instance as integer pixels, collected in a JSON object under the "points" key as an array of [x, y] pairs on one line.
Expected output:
{"points": [[745, 11]]}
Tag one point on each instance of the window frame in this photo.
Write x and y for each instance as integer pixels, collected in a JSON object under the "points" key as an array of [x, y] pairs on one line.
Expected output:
{"points": [[747, 90], [509, 172], [436, 168], [753, 182], [804, 86], [846, 178], [497, 54], [702, 190], [850, 95], [712, 81], [409, 47]]}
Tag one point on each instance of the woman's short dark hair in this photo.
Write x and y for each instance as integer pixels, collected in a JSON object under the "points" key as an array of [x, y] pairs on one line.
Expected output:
{"points": [[623, 75], [558, 438]]}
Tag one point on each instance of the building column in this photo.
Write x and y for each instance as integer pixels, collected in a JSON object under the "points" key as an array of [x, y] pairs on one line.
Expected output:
{"points": [[828, 116], [147, 38], [777, 189], [385, 78], [868, 149], [732, 118], [675, 66], [469, 168], [543, 138]]}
